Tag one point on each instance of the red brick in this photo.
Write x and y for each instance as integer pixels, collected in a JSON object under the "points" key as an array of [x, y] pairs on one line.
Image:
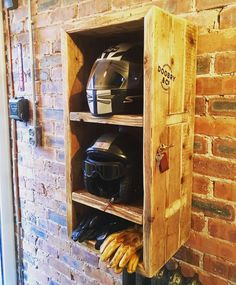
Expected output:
{"points": [[226, 191], [218, 40], [224, 148], [86, 8], [188, 255], [227, 17], [203, 64], [209, 4], [102, 6], [212, 246], [222, 230], [200, 145], [197, 222], [209, 279], [205, 20], [61, 14], [200, 106], [222, 106], [186, 269], [216, 85], [214, 167], [225, 62], [201, 184], [216, 266], [213, 209], [174, 6], [224, 127], [232, 272]]}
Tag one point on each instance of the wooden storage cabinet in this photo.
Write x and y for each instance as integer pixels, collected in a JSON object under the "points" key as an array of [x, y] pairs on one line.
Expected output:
{"points": [[169, 63]]}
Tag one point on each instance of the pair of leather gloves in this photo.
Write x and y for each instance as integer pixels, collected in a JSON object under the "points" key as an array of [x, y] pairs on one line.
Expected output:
{"points": [[98, 227]]}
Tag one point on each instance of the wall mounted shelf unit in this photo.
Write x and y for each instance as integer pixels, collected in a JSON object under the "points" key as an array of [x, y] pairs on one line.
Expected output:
{"points": [[169, 65]]}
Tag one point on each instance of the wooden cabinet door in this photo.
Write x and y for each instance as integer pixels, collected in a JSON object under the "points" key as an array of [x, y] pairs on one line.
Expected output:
{"points": [[169, 76]]}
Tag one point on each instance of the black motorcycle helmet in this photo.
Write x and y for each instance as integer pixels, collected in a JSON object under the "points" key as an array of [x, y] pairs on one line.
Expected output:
{"points": [[112, 168], [115, 84]]}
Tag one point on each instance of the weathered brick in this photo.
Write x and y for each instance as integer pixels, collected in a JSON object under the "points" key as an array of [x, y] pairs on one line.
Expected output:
{"points": [[216, 266], [45, 5], [227, 17], [200, 106], [45, 34], [56, 142], [50, 61], [215, 167], [224, 127], [222, 106], [51, 87], [53, 114], [59, 219], [213, 209], [216, 85], [208, 279], [205, 20], [188, 255], [200, 145], [232, 272], [41, 20], [201, 184], [173, 6], [62, 14], [225, 62], [102, 6], [86, 8], [222, 230], [224, 148], [203, 64], [71, 262], [217, 41], [60, 156], [209, 4], [59, 265], [98, 275], [197, 222], [85, 255], [226, 191], [212, 246]]}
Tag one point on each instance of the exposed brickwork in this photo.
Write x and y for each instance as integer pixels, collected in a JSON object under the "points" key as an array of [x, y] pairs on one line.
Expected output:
{"points": [[227, 17], [49, 256]]}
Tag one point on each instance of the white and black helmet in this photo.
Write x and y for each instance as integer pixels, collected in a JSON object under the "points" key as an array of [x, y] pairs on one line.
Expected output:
{"points": [[115, 84]]}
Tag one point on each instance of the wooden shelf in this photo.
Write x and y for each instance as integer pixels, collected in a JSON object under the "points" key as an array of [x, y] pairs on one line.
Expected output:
{"points": [[122, 120], [133, 213]]}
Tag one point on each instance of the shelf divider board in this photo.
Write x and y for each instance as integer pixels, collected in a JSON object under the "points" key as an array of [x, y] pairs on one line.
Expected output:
{"points": [[133, 213], [122, 120]]}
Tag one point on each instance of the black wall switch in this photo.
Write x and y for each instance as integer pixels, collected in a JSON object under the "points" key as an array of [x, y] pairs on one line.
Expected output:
{"points": [[19, 109], [11, 4]]}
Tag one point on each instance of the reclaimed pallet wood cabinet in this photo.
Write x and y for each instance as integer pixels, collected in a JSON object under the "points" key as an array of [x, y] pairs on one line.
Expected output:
{"points": [[169, 62]]}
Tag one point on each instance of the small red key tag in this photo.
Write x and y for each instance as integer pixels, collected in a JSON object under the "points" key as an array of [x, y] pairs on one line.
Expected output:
{"points": [[164, 164]]}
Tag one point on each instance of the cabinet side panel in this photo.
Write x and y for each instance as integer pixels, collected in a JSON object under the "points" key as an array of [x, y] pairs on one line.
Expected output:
{"points": [[72, 62], [190, 90], [168, 119]]}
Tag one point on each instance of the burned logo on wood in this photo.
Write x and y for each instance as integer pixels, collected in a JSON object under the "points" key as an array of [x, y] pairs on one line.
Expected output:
{"points": [[167, 76]]}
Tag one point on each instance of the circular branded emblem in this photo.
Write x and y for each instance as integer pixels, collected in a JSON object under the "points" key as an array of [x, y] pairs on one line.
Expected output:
{"points": [[167, 76]]}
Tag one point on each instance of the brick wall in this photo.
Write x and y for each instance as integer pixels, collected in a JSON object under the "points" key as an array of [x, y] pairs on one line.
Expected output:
{"points": [[49, 257]]}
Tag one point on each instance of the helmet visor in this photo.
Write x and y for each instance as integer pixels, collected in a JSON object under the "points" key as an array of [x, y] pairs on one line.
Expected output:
{"points": [[108, 74], [106, 170]]}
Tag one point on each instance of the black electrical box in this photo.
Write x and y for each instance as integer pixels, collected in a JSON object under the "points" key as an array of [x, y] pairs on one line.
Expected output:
{"points": [[19, 109], [11, 4]]}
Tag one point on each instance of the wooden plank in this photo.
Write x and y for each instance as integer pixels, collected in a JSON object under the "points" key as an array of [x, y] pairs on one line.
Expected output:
{"points": [[133, 213], [188, 131], [121, 120], [121, 21], [72, 63], [165, 118]]}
